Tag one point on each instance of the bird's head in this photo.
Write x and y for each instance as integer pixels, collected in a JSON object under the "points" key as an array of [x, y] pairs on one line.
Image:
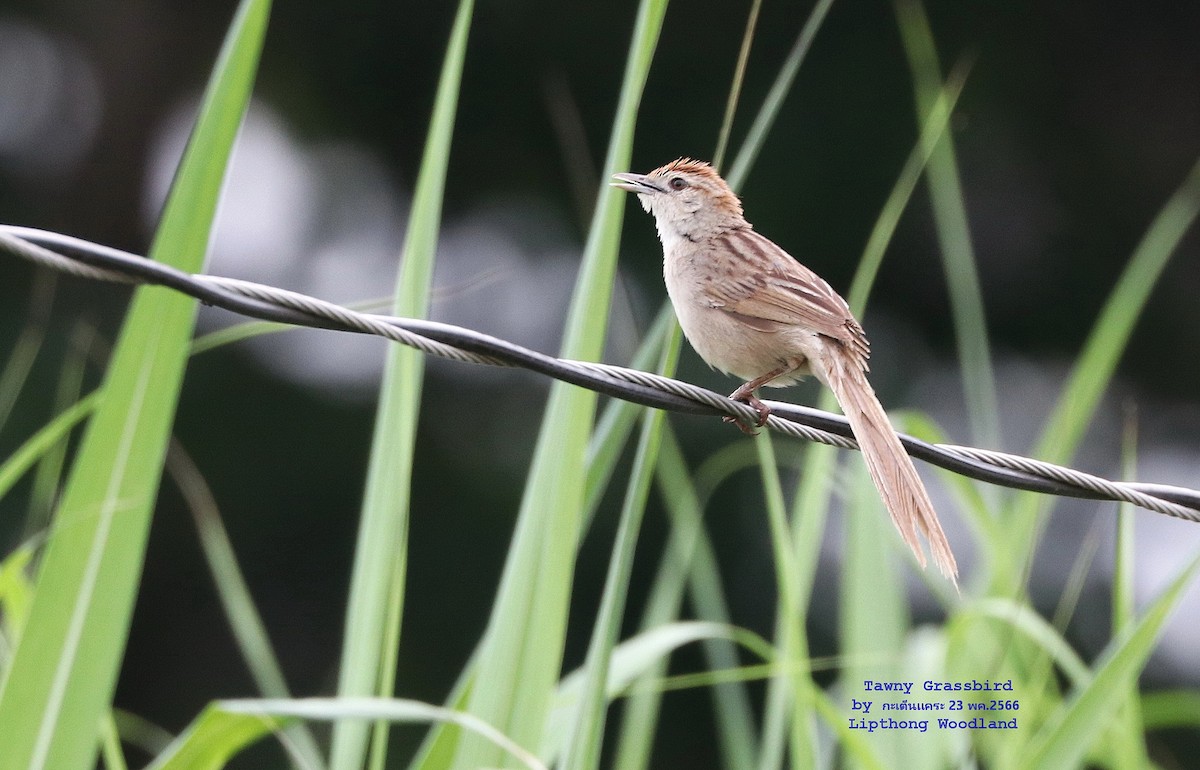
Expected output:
{"points": [[687, 198]]}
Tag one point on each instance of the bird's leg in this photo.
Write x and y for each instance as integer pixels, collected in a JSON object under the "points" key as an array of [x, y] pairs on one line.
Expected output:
{"points": [[745, 394]]}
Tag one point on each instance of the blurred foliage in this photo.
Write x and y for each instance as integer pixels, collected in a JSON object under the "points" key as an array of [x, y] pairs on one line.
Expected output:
{"points": [[1076, 123]]}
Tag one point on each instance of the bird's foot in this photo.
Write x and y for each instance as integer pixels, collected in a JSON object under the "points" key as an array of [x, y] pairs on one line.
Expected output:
{"points": [[746, 396]]}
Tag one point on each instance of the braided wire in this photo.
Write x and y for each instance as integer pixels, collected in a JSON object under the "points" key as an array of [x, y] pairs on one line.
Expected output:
{"points": [[91, 261], [1108, 489], [351, 319]]}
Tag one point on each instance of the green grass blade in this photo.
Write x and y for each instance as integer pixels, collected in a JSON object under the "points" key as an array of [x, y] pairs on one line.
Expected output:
{"points": [[372, 627], [247, 625], [604, 450], [16, 594], [37, 445], [954, 234], [17, 365], [693, 550], [1171, 708], [636, 734], [110, 745], [689, 561], [1122, 310], [937, 118], [765, 118], [213, 739], [1023, 618], [439, 747], [618, 418], [1065, 740], [639, 654], [1129, 748], [731, 701], [745, 158], [141, 733], [924, 658], [640, 715], [1123, 559], [231, 585], [236, 333], [735, 90], [641, 658], [48, 478], [383, 709], [781, 703], [522, 651], [63, 672], [873, 616], [734, 719], [587, 734], [855, 743], [1096, 364], [788, 716], [227, 727]]}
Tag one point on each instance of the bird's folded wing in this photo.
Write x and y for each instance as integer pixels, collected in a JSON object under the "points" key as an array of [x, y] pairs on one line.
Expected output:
{"points": [[779, 291]]}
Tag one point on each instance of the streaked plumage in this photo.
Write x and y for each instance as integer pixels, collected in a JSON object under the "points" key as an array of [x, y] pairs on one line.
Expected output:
{"points": [[751, 310]]}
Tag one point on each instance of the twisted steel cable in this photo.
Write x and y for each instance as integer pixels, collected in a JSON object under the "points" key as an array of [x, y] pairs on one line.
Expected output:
{"points": [[92, 261]]}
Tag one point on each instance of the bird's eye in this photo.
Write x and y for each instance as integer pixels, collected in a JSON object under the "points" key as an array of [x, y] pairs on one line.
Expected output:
{"points": [[677, 183]]}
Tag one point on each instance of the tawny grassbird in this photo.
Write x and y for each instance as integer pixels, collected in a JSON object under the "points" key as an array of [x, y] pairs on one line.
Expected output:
{"points": [[751, 310]]}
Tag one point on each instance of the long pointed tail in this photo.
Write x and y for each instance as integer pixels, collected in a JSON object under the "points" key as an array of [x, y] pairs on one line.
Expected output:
{"points": [[890, 467]]}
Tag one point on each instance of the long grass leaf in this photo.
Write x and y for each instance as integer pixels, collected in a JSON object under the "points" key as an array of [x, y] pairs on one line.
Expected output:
{"points": [[37, 445], [639, 659], [603, 452], [587, 734], [953, 231], [618, 418], [812, 499], [383, 709], [48, 478], [765, 118], [735, 90], [141, 733], [63, 672], [372, 626], [17, 365], [788, 717], [933, 128], [110, 745], [873, 616], [793, 643], [1023, 618], [522, 651], [212, 739], [855, 743], [1064, 742], [1171, 708], [689, 561], [1096, 364], [1112, 330], [1130, 747], [244, 619], [16, 594]]}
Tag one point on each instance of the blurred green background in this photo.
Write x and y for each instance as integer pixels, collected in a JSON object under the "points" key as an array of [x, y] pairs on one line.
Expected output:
{"points": [[1078, 120]]}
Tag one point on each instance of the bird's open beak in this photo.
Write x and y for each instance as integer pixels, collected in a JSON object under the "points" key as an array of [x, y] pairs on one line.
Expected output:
{"points": [[635, 183]]}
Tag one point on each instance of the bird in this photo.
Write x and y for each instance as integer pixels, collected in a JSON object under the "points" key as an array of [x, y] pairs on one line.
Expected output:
{"points": [[752, 310]]}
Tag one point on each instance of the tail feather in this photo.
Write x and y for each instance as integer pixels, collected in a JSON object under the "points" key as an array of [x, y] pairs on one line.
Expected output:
{"points": [[890, 467]]}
